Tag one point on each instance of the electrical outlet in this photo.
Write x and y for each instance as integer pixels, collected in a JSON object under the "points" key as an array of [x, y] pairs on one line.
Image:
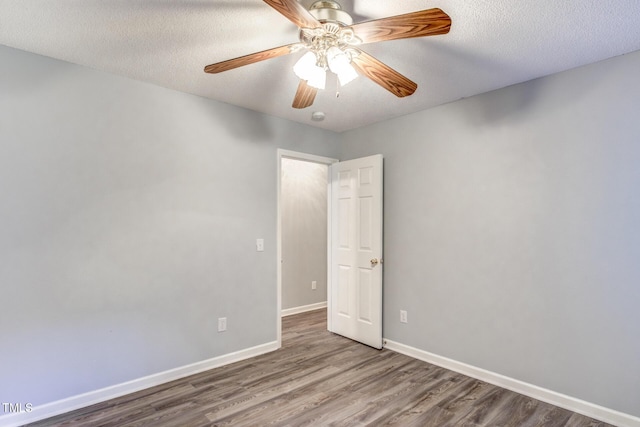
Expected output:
{"points": [[222, 324], [314, 285], [403, 316], [259, 245]]}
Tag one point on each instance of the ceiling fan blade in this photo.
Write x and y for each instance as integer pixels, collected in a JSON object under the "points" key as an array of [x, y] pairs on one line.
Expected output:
{"points": [[305, 95], [294, 12], [428, 22], [230, 64], [383, 75]]}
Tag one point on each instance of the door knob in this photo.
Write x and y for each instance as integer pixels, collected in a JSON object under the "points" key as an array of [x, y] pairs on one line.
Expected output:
{"points": [[374, 262]]}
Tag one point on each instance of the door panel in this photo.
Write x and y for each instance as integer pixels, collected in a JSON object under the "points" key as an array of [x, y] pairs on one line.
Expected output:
{"points": [[343, 290], [365, 290], [355, 303], [365, 213], [343, 224]]}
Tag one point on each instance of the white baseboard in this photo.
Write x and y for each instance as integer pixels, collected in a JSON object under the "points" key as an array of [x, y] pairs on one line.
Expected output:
{"points": [[48, 410], [303, 308], [567, 402]]}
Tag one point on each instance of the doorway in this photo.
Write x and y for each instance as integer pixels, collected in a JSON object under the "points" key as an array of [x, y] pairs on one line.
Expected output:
{"points": [[302, 234]]}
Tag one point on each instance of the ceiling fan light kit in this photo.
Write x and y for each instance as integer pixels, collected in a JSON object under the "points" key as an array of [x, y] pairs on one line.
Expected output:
{"points": [[307, 68], [332, 41], [340, 63], [328, 49]]}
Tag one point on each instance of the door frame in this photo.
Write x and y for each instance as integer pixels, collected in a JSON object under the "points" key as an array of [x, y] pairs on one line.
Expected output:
{"points": [[305, 157]]}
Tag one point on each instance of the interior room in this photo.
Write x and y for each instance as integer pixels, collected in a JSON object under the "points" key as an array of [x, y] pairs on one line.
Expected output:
{"points": [[135, 187], [304, 216]]}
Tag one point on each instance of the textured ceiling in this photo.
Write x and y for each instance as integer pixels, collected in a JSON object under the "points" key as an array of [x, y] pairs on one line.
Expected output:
{"points": [[492, 44]]}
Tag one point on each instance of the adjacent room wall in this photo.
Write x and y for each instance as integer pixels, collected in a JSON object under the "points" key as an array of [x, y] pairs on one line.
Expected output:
{"points": [[512, 232], [127, 227], [303, 201]]}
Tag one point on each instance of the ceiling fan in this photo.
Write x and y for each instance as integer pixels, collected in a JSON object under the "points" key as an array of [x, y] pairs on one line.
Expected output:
{"points": [[331, 40]]}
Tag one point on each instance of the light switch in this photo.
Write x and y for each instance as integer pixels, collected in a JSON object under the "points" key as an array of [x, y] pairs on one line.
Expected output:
{"points": [[260, 245]]}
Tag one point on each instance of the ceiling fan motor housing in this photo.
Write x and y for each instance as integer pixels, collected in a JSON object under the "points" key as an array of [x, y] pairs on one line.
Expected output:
{"points": [[330, 11]]}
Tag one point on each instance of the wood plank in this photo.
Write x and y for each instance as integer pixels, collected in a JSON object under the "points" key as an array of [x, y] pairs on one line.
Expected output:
{"points": [[318, 378]]}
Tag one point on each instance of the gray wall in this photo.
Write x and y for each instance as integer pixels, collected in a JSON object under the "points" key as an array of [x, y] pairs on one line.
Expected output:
{"points": [[512, 232], [128, 220], [303, 201]]}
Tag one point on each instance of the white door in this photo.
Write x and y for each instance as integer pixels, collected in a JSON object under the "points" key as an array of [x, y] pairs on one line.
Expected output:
{"points": [[355, 298]]}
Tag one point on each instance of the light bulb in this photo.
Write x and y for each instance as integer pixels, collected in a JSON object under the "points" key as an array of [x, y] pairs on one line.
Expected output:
{"points": [[340, 63], [307, 69]]}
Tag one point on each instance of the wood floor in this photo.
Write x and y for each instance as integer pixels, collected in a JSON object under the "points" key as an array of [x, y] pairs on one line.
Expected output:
{"points": [[319, 379]]}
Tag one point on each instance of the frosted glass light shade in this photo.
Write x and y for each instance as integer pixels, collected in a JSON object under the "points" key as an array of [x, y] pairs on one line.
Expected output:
{"points": [[307, 69], [340, 63]]}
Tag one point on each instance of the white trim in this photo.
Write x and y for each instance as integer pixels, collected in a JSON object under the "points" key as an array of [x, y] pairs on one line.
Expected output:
{"points": [[52, 409], [281, 153], [303, 309], [305, 157], [558, 399]]}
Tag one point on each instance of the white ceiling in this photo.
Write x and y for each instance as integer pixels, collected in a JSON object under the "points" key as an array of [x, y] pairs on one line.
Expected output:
{"points": [[492, 44]]}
